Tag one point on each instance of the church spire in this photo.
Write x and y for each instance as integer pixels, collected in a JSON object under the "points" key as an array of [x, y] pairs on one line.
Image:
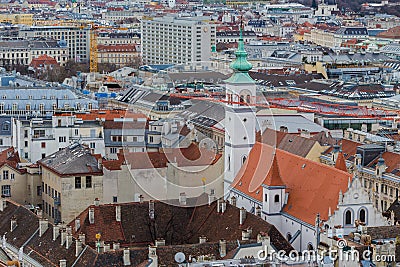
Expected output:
{"points": [[241, 64]]}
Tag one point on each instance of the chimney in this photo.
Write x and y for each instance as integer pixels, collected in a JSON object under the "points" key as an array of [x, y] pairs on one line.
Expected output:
{"points": [[78, 247], [56, 232], [202, 239], [358, 160], [211, 198], [63, 263], [218, 206], [69, 229], [77, 224], [13, 223], [96, 202], [242, 215], [43, 226], [335, 153], [160, 242], [258, 211], [153, 255], [151, 209], [68, 242], [182, 199], [245, 235], [233, 201], [222, 248], [223, 206], [118, 213], [39, 213], [283, 129], [141, 199], [305, 133], [63, 236], [91, 215], [127, 257], [3, 204], [82, 238], [106, 247], [115, 246]]}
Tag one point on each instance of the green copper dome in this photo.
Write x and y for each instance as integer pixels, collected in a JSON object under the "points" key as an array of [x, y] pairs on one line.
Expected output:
{"points": [[241, 64]]}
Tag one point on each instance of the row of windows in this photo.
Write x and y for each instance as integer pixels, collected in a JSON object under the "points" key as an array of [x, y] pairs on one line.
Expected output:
{"points": [[7, 175], [78, 182]]}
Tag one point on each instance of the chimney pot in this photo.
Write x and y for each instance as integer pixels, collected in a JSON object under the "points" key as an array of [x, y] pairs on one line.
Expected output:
{"points": [[222, 248], [242, 215], [13, 223], [223, 206], [82, 238], [63, 263], [246, 235], [211, 198], [56, 232], [202, 239], [3, 204], [218, 205], [91, 215], [118, 213], [182, 199], [77, 224], [151, 209], [43, 226], [116, 246], [78, 247], [63, 236], [39, 213], [96, 202], [127, 257], [106, 247], [68, 242], [233, 201], [141, 199], [160, 242]]}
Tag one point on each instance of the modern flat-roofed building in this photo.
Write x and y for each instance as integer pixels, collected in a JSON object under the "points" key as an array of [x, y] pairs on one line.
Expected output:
{"points": [[173, 40], [77, 38]]}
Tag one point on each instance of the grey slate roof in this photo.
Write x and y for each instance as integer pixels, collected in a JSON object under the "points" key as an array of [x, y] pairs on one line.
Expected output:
{"points": [[72, 160]]}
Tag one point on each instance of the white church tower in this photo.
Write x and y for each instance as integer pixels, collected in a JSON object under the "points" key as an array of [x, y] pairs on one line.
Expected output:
{"points": [[240, 115]]}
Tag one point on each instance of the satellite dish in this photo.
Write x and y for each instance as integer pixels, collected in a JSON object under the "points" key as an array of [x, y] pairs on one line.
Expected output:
{"points": [[179, 257]]}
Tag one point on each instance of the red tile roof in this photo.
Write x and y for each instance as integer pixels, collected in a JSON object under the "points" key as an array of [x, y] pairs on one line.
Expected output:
{"points": [[341, 162], [313, 187], [190, 156], [43, 60]]}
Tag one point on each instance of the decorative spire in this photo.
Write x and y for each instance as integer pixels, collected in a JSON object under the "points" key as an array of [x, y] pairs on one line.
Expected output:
{"points": [[241, 64]]}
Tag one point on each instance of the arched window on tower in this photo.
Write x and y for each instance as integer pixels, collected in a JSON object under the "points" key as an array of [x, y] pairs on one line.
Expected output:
{"points": [[348, 219], [276, 198], [244, 159], [248, 99]]}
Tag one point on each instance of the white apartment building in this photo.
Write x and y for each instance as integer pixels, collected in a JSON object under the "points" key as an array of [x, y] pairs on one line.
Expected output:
{"points": [[21, 52], [37, 138], [77, 38], [173, 40]]}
